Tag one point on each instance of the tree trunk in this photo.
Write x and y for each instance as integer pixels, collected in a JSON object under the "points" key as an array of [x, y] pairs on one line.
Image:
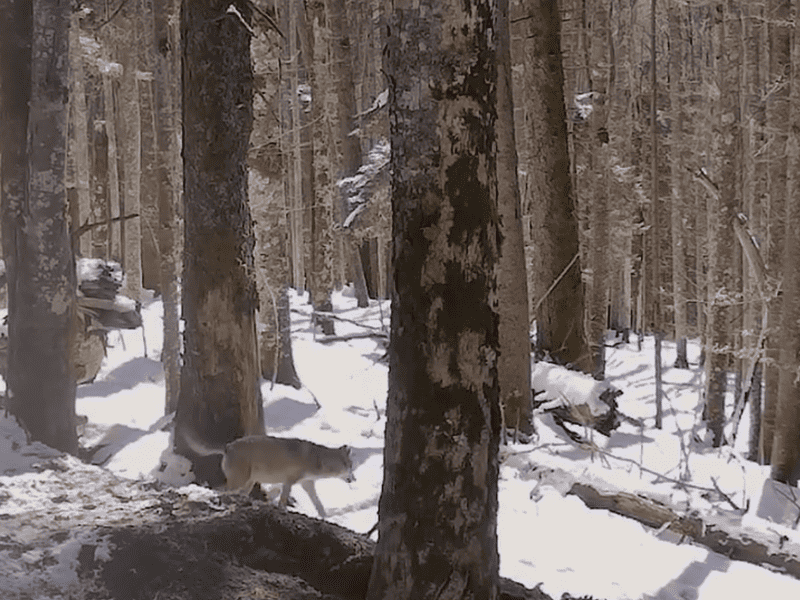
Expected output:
{"points": [[38, 248], [344, 86], [722, 211], [514, 363], [558, 295], [438, 506], [80, 145], [777, 117], [295, 163], [150, 159], [600, 80], [268, 200], [220, 395], [162, 17], [129, 126], [99, 173], [678, 182], [110, 111], [315, 48], [786, 443]]}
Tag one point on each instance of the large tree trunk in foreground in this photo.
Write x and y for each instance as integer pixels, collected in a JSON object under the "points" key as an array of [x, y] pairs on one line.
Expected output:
{"points": [[37, 241], [220, 395], [438, 506]]}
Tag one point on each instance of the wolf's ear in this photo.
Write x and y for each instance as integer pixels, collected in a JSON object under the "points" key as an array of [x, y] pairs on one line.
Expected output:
{"points": [[346, 449]]}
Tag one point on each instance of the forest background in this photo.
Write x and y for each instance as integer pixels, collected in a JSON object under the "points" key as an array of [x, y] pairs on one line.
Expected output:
{"points": [[673, 213], [653, 183]]}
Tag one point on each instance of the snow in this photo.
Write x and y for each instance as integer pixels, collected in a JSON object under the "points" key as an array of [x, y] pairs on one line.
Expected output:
{"points": [[53, 506]]}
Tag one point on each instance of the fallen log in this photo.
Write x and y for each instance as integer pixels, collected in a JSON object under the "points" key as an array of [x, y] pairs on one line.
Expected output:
{"points": [[736, 545]]}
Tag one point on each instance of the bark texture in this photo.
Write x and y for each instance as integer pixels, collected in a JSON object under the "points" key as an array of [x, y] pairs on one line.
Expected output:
{"points": [[786, 443], [37, 241], [220, 396], [722, 211], [438, 507], [514, 362], [777, 116], [558, 311], [167, 180]]}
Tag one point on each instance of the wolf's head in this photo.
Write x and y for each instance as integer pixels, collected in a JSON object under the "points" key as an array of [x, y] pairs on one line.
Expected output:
{"points": [[339, 464]]}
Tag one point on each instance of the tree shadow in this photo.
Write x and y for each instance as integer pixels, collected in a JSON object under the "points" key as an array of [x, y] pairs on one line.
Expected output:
{"points": [[125, 377], [686, 586], [285, 413]]}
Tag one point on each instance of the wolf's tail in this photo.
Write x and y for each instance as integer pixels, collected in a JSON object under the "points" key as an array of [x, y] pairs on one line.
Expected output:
{"points": [[197, 445]]}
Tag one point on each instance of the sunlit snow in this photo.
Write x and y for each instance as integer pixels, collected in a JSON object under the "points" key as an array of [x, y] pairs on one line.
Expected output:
{"points": [[51, 504]]}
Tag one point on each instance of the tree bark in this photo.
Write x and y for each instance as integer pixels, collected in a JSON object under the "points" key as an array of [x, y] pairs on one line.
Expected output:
{"points": [[438, 506], [558, 311], [220, 395], [37, 241], [600, 80], [350, 159], [722, 212], [129, 127], [80, 145], [785, 457], [514, 362], [162, 17], [268, 200], [777, 117], [678, 182]]}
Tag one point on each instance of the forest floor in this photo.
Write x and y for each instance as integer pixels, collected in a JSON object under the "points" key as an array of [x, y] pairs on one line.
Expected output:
{"points": [[56, 511]]}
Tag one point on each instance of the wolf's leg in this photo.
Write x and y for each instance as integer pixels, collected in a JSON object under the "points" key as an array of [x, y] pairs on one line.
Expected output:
{"points": [[308, 486], [287, 487]]}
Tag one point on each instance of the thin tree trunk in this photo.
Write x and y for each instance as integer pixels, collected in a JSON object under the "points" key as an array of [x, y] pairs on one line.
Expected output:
{"points": [[655, 219], [315, 36], [678, 182], [99, 174], [80, 147], [785, 446], [343, 83], [112, 199], [162, 17], [129, 126], [722, 211], [299, 134], [514, 363], [600, 81], [777, 117]]}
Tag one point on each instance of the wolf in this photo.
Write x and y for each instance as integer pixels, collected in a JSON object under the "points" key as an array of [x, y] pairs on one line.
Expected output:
{"points": [[267, 459]]}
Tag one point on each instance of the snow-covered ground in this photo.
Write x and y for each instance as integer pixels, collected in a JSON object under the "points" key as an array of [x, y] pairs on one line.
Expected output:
{"points": [[51, 504]]}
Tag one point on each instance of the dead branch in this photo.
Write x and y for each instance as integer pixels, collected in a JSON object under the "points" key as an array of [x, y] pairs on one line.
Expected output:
{"points": [[352, 336], [89, 226]]}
